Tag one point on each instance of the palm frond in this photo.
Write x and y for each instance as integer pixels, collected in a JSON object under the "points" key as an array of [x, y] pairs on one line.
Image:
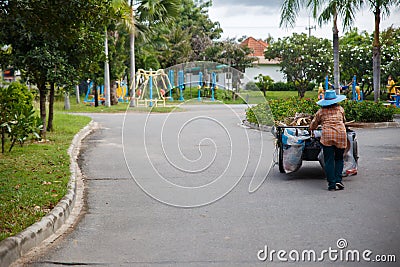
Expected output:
{"points": [[289, 11]]}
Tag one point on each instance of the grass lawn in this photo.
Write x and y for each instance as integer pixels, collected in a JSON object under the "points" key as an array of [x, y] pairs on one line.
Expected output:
{"points": [[120, 107], [34, 178]]}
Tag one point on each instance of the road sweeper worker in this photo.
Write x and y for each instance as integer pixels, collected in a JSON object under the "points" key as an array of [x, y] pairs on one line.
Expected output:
{"points": [[334, 138]]}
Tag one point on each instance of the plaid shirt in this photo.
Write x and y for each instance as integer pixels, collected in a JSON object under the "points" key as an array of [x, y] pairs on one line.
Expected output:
{"points": [[333, 130]]}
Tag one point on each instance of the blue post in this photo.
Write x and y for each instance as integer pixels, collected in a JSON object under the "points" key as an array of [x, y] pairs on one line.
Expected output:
{"points": [[326, 83], [181, 81], [151, 89], [354, 94], [102, 89], [213, 82], [88, 92], [171, 80], [200, 85]]}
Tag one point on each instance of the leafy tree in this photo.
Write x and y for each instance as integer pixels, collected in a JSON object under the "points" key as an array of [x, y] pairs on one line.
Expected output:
{"points": [[230, 53], [302, 59], [148, 15], [43, 34], [203, 31], [357, 54], [379, 8], [390, 57], [187, 36], [264, 82], [5, 56], [330, 10]]}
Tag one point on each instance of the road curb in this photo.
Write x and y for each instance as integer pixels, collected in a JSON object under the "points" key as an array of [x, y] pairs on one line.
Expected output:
{"points": [[376, 125], [256, 126], [14, 247]]}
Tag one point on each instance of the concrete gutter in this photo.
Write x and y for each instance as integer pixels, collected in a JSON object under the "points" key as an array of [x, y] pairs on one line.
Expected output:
{"points": [[14, 247]]}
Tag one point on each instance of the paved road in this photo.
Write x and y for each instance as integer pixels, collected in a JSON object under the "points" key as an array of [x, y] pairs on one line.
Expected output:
{"points": [[174, 190]]}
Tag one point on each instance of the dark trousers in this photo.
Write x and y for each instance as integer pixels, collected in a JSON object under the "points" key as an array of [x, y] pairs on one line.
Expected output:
{"points": [[333, 158]]}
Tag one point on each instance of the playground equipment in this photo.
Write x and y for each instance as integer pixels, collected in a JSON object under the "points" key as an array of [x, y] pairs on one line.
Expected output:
{"points": [[321, 92], [181, 84], [122, 91], [205, 82], [151, 86], [204, 78], [171, 81], [213, 85], [200, 86], [90, 95], [357, 94]]}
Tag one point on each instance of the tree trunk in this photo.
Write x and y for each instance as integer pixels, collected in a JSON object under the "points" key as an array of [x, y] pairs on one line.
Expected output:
{"points": [[51, 108], [67, 104], [78, 95], [106, 72], [96, 95], [3, 139], [132, 61], [113, 94], [302, 87], [42, 104], [336, 71], [376, 56]]}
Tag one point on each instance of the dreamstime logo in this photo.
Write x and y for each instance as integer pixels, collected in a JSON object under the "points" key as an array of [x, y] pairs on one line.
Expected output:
{"points": [[340, 253], [192, 158]]}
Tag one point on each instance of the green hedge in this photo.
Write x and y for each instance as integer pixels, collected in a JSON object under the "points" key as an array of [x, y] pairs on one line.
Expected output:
{"points": [[289, 86], [278, 110]]}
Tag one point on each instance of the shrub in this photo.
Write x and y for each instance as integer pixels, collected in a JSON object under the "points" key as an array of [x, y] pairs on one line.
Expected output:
{"points": [[280, 109], [283, 108], [279, 86], [367, 111], [17, 115], [251, 86], [260, 114]]}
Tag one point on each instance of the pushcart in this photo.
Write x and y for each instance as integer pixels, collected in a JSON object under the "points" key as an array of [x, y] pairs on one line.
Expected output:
{"points": [[312, 145]]}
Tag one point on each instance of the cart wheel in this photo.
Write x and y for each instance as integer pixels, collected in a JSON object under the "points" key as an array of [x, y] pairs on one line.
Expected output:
{"points": [[280, 159]]}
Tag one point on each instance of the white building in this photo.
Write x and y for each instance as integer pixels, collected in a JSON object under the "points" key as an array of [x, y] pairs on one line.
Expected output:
{"points": [[260, 64]]}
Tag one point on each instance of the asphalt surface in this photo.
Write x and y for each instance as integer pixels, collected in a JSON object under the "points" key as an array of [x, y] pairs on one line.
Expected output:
{"points": [[177, 190]]}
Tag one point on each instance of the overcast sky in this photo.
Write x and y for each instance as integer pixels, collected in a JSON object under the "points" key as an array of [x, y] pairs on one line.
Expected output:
{"points": [[258, 18]]}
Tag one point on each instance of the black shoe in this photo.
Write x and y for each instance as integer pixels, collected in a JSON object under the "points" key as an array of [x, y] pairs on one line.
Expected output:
{"points": [[332, 189], [339, 186]]}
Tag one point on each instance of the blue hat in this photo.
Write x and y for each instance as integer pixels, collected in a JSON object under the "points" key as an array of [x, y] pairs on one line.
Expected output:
{"points": [[331, 98]]}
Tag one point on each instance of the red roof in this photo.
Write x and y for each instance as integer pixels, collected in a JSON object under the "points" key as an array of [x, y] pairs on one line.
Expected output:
{"points": [[258, 46]]}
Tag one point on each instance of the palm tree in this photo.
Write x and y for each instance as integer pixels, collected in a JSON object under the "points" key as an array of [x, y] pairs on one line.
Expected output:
{"points": [[345, 9], [132, 56], [147, 12], [330, 10], [120, 10], [379, 8]]}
